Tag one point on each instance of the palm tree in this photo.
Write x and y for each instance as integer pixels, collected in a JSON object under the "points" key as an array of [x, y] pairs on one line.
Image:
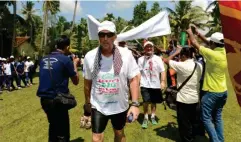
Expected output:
{"points": [[184, 14], [215, 24], [53, 8], [29, 12], [14, 19], [60, 24], [75, 8], [109, 17]]}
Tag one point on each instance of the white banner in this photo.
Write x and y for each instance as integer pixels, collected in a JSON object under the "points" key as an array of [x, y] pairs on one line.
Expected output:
{"points": [[155, 26]]}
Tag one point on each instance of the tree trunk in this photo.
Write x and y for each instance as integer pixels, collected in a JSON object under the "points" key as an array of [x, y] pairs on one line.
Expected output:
{"points": [[42, 35], [75, 7], [31, 32], [46, 29], [14, 25]]}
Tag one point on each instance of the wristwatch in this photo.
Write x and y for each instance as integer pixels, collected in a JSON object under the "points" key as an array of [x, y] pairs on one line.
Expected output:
{"points": [[135, 103]]}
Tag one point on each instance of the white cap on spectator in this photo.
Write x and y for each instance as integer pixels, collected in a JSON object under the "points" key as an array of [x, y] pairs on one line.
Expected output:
{"points": [[148, 43], [11, 57], [28, 57], [107, 25], [0, 59], [217, 37], [4, 59]]}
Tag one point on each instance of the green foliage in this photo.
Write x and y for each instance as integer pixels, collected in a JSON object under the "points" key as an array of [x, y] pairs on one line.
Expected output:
{"points": [[140, 13], [121, 24], [154, 10], [33, 22], [109, 17], [214, 24], [185, 14]]}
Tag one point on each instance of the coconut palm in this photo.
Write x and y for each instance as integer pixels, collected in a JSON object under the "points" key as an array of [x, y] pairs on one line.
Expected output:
{"points": [[185, 14], [215, 24], [48, 7], [29, 12], [75, 8]]}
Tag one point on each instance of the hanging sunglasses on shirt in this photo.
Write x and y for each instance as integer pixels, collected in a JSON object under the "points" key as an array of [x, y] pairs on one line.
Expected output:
{"points": [[109, 35]]}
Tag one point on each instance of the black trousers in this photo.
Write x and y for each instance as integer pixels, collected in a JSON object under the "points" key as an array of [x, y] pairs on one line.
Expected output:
{"points": [[186, 118], [14, 77], [58, 119], [30, 75], [21, 77]]}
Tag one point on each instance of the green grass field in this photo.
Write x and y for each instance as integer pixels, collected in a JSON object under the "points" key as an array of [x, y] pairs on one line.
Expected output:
{"points": [[23, 120]]}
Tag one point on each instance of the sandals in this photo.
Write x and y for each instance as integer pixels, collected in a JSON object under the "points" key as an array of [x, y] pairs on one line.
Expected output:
{"points": [[85, 122]]}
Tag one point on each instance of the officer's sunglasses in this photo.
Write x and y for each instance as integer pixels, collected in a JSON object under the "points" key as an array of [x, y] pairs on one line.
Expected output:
{"points": [[102, 35]]}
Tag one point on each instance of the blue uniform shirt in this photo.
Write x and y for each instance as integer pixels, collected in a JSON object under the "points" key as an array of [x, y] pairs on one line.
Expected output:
{"points": [[19, 67], [1, 70], [12, 66], [62, 69]]}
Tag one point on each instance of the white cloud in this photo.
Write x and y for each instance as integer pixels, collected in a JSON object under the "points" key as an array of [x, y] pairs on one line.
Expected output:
{"points": [[67, 7], [119, 5]]}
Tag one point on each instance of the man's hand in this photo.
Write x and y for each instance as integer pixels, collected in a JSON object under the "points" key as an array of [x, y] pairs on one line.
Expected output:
{"points": [[189, 31], [76, 61], [163, 85], [178, 49], [194, 28], [134, 111]]}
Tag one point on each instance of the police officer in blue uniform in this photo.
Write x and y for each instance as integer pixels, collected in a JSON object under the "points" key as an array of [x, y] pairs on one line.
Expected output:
{"points": [[55, 71]]}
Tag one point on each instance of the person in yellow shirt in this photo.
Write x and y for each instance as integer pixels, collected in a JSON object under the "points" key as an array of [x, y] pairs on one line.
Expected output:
{"points": [[214, 85]]}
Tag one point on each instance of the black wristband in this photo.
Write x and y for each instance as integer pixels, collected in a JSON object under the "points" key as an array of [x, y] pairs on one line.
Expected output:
{"points": [[136, 104], [86, 113]]}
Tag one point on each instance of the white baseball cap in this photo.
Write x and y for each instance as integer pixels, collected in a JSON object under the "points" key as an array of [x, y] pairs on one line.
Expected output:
{"points": [[28, 57], [12, 57], [148, 43], [217, 37], [4, 59], [107, 25]]}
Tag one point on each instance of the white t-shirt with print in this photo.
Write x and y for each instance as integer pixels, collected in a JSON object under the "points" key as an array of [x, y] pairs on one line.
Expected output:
{"points": [[7, 68], [189, 94], [27, 65], [109, 93], [150, 71]]}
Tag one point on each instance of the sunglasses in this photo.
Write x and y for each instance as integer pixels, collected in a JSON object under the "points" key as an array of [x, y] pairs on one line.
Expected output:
{"points": [[109, 35]]}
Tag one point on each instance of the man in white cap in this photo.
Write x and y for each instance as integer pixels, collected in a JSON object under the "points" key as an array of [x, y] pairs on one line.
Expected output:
{"points": [[8, 74], [214, 84], [153, 79], [107, 69], [27, 67]]}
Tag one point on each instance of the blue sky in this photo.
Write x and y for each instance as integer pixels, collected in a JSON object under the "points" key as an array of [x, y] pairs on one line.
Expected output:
{"points": [[98, 9]]}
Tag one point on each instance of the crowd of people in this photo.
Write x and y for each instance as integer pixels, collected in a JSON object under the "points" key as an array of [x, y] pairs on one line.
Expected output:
{"points": [[14, 72], [112, 72]]}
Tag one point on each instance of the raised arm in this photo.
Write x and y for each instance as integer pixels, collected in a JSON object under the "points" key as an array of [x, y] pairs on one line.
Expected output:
{"points": [[178, 50]]}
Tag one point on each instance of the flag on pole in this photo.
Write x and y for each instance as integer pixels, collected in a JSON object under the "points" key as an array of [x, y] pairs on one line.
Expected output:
{"points": [[230, 13]]}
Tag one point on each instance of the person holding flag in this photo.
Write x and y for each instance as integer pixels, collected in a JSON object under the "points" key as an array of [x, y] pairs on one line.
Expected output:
{"points": [[214, 84]]}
